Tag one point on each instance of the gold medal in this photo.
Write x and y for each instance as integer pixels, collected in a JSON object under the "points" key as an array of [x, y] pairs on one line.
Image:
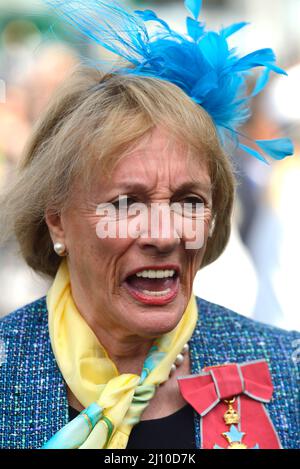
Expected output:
{"points": [[233, 436], [231, 416]]}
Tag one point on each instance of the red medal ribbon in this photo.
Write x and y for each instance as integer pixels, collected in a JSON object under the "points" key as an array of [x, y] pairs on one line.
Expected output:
{"points": [[250, 383]]}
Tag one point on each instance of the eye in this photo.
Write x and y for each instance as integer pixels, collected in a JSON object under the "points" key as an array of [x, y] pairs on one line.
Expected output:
{"points": [[190, 206], [193, 200], [192, 203], [123, 202]]}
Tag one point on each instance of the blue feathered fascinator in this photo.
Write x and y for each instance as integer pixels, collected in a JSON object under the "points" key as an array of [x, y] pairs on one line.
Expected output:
{"points": [[200, 62]]}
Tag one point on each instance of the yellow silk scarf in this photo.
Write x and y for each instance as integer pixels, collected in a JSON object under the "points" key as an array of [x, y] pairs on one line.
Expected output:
{"points": [[93, 377]]}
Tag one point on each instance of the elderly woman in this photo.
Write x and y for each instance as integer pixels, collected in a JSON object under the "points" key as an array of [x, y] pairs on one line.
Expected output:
{"points": [[120, 353]]}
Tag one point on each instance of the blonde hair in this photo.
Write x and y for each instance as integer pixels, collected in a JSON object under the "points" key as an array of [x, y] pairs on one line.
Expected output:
{"points": [[92, 120]]}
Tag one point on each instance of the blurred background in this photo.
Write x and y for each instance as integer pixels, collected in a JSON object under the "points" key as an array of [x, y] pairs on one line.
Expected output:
{"points": [[259, 272]]}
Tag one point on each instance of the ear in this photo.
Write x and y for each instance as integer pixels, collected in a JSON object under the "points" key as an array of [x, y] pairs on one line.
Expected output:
{"points": [[54, 222]]}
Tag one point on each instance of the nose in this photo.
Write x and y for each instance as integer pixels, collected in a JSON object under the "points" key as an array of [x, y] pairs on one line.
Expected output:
{"points": [[159, 233], [158, 245]]}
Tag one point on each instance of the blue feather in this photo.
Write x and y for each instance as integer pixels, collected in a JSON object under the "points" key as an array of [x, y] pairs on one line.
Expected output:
{"points": [[201, 63], [258, 58], [195, 29], [149, 15], [194, 7], [203, 87], [215, 49], [277, 148], [253, 152], [261, 82], [108, 24], [233, 29]]}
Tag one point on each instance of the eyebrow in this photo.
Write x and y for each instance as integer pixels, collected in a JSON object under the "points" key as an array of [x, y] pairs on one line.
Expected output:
{"points": [[182, 189]]}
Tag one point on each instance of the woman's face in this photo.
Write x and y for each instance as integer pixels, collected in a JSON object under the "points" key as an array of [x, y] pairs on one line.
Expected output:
{"points": [[137, 284]]}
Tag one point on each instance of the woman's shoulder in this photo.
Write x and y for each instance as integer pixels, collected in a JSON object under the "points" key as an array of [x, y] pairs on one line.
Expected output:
{"points": [[25, 316], [230, 337], [219, 318], [31, 385], [24, 326]]}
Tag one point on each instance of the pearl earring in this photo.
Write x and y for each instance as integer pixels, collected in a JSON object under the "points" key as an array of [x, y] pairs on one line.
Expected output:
{"points": [[60, 249]]}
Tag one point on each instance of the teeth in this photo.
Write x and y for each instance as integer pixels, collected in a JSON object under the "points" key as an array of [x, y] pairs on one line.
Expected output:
{"points": [[156, 273], [156, 293]]}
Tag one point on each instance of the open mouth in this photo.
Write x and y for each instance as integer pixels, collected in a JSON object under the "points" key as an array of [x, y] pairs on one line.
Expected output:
{"points": [[153, 286]]}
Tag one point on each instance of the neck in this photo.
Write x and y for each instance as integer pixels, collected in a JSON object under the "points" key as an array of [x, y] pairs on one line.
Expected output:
{"points": [[126, 349], [127, 353]]}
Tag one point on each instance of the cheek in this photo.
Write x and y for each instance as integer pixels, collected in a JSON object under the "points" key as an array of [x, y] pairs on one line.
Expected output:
{"points": [[103, 248], [82, 242], [195, 230], [197, 245], [195, 258]]}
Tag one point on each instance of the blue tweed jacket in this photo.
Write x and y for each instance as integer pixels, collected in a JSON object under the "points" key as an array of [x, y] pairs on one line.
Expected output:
{"points": [[33, 400]]}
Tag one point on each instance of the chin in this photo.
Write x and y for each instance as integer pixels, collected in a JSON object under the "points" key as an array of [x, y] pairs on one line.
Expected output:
{"points": [[153, 322]]}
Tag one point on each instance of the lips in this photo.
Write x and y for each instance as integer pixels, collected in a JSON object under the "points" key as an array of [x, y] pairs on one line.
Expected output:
{"points": [[153, 285]]}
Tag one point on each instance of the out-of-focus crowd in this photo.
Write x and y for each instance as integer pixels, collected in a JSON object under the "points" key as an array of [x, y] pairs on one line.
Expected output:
{"points": [[258, 273], [31, 68]]}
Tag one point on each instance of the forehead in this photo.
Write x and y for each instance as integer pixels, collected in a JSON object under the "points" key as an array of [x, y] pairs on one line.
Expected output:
{"points": [[159, 158]]}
